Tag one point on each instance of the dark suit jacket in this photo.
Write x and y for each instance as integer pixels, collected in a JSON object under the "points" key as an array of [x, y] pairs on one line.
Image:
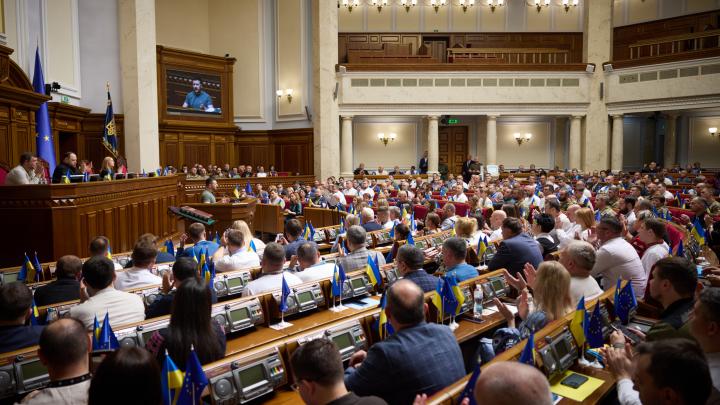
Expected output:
{"points": [[62, 170], [423, 166], [513, 253], [371, 226], [60, 290], [422, 359]]}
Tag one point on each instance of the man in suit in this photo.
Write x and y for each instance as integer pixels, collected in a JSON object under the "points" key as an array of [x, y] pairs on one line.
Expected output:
{"points": [[66, 287], [419, 358], [466, 168], [357, 258], [67, 167], [15, 309], [196, 234], [410, 260], [516, 249], [424, 163]]}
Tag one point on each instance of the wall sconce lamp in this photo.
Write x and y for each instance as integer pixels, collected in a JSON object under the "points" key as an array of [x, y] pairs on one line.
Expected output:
{"points": [[493, 4], [379, 4], [713, 131], [566, 4], [465, 4], [349, 4], [287, 92], [520, 138], [436, 4], [386, 138], [540, 3], [408, 4]]}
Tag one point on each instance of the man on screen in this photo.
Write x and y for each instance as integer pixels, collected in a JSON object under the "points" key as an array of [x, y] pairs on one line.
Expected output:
{"points": [[198, 99]]}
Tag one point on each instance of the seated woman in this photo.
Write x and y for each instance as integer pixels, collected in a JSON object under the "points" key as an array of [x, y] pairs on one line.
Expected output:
{"points": [[107, 169], [551, 296], [466, 228], [541, 228], [432, 223], [242, 226], [294, 208], [190, 325], [401, 234]]}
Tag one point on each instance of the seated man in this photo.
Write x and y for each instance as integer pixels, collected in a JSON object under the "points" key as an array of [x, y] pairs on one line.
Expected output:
{"points": [[272, 263], [162, 257], [238, 257], [410, 260], [673, 284], [454, 251], [368, 220], [672, 371], [27, 172], [512, 383], [184, 268], [15, 307], [616, 258], [67, 167], [579, 258], [98, 297], [140, 275], [318, 370], [310, 267], [66, 287], [449, 217], [64, 349], [419, 358], [496, 220], [516, 249], [357, 258], [705, 328], [542, 227], [100, 246], [292, 237], [196, 234]]}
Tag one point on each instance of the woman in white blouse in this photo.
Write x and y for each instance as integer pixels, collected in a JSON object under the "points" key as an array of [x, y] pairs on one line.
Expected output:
{"points": [[652, 233]]}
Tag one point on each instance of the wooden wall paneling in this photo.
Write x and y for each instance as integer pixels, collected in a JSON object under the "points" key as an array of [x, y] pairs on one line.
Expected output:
{"points": [[91, 137]]}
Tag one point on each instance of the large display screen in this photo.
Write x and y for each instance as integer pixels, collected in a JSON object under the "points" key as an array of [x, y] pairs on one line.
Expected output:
{"points": [[193, 93], [252, 375]]}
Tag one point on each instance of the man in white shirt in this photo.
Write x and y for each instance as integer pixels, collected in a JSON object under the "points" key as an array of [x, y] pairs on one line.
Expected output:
{"points": [[310, 267], [273, 262], [349, 189], [705, 328], [232, 255], [579, 259], [100, 246], [651, 232], [616, 258], [496, 220], [339, 196], [459, 196], [98, 296], [25, 172], [366, 189], [381, 171], [552, 207], [140, 275]]}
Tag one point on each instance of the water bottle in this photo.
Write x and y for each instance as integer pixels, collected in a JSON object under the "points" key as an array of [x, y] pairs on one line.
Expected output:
{"points": [[478, 303]]}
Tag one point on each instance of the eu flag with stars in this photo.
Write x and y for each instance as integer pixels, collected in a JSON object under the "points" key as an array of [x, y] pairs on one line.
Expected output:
{"points": [[624, 301], [593, 332], [338, 280], [248, 188], [285, 294], [469, 390], [194, 382], [44, 137], [107, 339], [528, 354]]}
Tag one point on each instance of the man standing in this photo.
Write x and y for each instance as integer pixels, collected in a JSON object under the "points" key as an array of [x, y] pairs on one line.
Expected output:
{"points": [[420, 358], [424, 163], [197, 99], [27, 172], [208, 195]]}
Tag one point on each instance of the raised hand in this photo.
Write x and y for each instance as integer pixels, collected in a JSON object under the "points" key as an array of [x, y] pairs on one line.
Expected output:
{"points": [[530, 274], [505, 312], [518, 283], [523, 305]]}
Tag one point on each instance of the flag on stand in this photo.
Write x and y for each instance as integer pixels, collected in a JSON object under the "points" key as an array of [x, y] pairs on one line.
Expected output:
{"points": [[44, 136]]}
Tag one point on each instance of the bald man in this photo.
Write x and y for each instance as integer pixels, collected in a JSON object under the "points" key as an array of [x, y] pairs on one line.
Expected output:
{"points": [[511, 383], [419, 358], [496, 220]]}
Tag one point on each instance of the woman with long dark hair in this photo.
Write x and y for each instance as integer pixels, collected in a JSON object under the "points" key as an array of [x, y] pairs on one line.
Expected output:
{"points": [[128, 375], [190, 325]]}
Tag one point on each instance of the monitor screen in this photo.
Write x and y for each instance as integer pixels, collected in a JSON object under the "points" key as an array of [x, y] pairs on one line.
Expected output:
{"points": [[33, 370], [343, 340], [10, 277], [498, 285], [357, 283], [252, 375], [305, 297], [240, 314], [234, 282], [561, 348], [193, 93]]}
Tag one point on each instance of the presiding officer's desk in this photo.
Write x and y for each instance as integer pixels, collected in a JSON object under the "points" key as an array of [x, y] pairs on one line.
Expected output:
{"points": [[61, 219]]}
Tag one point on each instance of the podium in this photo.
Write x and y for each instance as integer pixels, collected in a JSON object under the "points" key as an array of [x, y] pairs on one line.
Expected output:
{"points": [[61, 219], [225, 214]]}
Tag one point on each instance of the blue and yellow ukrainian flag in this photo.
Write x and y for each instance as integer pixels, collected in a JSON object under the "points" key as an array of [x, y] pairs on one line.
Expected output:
{"points": [[437, 298], [373, 272], [252, 246], [168, 247], [172, 381], [28, 273], [236, 192], [458, 296], [385, 329], [579, 322], [109, 252], [698, 231], [34, 314], [528, 354], [482, 246], [336, 284], [96, 335]]}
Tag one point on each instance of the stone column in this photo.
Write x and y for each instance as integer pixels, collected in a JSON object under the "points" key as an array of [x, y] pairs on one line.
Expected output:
{"points": [[491, 140], [670, 140], [432, 144], [326, 124], [346, 147], [575, 151], [597, 49], [138, 71], [616, 149]]}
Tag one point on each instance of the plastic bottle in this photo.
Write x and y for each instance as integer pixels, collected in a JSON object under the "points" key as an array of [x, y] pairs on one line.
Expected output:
{"points": [[477, 302]]}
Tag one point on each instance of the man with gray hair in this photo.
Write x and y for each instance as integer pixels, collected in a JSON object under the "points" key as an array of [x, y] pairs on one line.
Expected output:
{"points": [[579, 258], [512, 383], [357, 258], [368, 220], [409, 261], [449, 217]]}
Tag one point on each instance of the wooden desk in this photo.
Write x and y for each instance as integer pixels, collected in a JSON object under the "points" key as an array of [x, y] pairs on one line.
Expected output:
{"points": [[225, 214], [323, 318], [268, 218], [193, 188], [61, 219], [471, 329], [323, 217], [251, 339]]}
